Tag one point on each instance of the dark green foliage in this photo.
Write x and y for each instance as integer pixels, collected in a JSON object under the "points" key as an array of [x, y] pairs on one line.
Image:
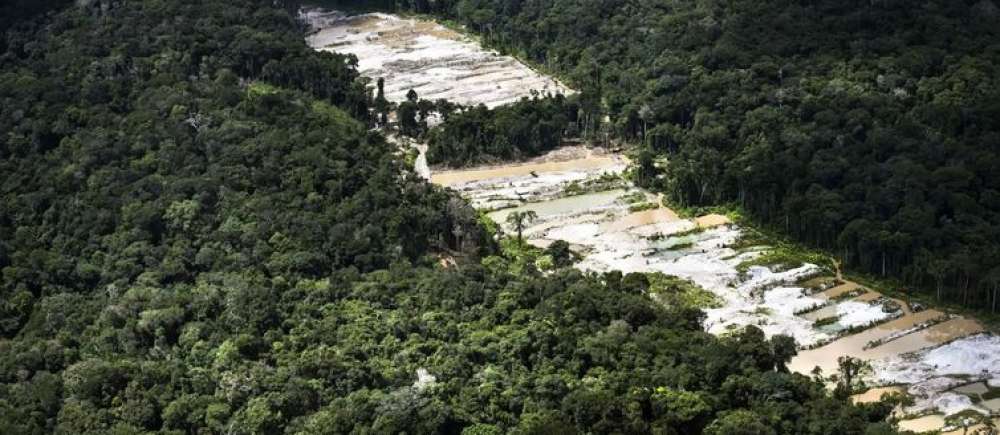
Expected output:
{"points": [[480, 135], [14, 11], [561, 254], [197, 236], [161, 166], [407, 115], [866, 128], [171, 170]]}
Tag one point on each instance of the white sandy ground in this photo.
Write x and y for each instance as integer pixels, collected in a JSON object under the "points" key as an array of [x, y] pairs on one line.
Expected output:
{"points": [[509, 191], [773, 311], [438, 63], [931, 373], [762, 297], [853, 314], [977, 356], [428, 58], [420, 165], [587, 221]]}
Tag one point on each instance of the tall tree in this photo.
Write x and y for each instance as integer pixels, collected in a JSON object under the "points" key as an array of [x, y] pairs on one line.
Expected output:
{"points": [[519, 220]]}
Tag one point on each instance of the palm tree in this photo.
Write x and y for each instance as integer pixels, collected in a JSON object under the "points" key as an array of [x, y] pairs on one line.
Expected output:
{"points": [[519, 219]]}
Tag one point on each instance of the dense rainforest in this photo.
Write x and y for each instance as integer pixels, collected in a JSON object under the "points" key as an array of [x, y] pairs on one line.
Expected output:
{"points": [[199, 234], [515, 131], [867, 128], [19, 11], [471, 135]]}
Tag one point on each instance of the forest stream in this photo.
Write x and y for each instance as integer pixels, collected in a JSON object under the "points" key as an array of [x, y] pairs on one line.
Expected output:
{"points": [[945, 362]]}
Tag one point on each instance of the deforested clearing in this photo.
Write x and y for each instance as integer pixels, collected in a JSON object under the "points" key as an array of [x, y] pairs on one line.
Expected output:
{"points": [[908, 350], [609, 237], [427, 57]]}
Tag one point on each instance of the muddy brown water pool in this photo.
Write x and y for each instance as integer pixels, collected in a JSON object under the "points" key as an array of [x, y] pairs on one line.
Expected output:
{"points": [[854, 345]]}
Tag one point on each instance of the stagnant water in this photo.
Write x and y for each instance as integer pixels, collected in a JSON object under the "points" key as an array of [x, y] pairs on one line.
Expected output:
{"points": [[929, 355]]}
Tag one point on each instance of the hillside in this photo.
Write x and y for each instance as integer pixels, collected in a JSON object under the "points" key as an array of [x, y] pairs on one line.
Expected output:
{"points": [[199, 234]]}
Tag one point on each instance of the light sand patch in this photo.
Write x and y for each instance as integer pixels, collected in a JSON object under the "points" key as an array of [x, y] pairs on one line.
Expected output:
{"points": [[712, 220], [640, 218], [840, 290], [822, 313], [875, 394], [662, 228], [580, 234], [972, 430], [540, 243], [867, 297], [543, 227], [787, 300], [420, 165], [926, 423], [403, 32], [449, 178]]}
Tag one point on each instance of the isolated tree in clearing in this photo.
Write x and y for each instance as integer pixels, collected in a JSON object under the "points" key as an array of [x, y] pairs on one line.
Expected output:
{"points": [[520, 219]]}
